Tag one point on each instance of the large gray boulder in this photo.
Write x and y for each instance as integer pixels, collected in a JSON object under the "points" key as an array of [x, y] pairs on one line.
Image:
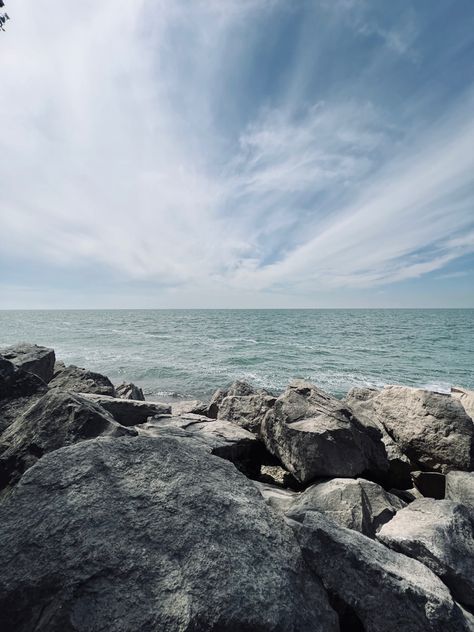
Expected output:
{"points": [[129, 391], [439, 533], [56, 420], [314, 435], [128, 412], [247, 411], [149, 534], [374, 588], [18, 391], [432, 429], [460, 487], [32, 359], [236, 389], [353, 503], [76, 380]]}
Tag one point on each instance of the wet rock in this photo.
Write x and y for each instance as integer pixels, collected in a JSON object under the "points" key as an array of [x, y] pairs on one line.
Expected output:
{"points": [[31, 359], [460, 487], [430, 484], [438, 533], [56, 420], [314, 435], [353, 503], [129, 412], [77, 380], [380, 589], [247, 411], [129, 391], [149, 534]]}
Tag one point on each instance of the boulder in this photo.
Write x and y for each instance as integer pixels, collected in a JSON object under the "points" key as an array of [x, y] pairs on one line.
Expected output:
{"points": [[76, 380], [15, 382], [247, 411], [32, 359], [465, 397], [56, 420], [276, 497], [237, 388], [432, 429], [13, 408], [353, 503], [129, 391], [189, 407], [360, 402], [438, 533], [374, 588], [430, 484], [314, 435], [460, 487], [149, 534], [128, 412]]}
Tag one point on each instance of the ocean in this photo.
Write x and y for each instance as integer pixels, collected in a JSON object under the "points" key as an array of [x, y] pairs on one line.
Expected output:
{"points": [[190, 353]]}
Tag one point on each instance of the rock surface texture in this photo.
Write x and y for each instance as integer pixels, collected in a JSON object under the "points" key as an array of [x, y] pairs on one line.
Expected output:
{"points": [[128, 412], [237, 389], [460, 487], [149, 534], [247, 411], [129, 391], [314, 435], [32, 359], [73, 378], [439, 533]]}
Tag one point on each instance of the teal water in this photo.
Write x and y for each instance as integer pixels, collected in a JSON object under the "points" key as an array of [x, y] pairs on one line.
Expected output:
{"points": [[190, 353]]}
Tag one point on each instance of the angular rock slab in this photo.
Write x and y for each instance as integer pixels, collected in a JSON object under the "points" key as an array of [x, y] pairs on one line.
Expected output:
{"points": [[440, 534], [189, 407], [352, 503], [76, 380], [32, 359], [382, 590], [149, 534], [237, 388], [15, 382], [247, 411], [129, 391], [128, 412], [460, 487], [432, 429], [56, 420], [314, 435]]}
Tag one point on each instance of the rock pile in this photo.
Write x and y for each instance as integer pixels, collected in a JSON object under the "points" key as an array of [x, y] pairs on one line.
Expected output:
{"points": [[253, 512]]}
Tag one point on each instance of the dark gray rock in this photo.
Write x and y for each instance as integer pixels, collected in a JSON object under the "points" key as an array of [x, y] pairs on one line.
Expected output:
{"points": [[314, 435], [76, 380], [353, 503], [189, 407], [440, 534], [247, 411], [460, 487], [15, 382], [32, 359], [129, 391], [430, 484], [56, 420], [378, 589], [13, 408], [149, 534], [236, 389], [128, 412]]}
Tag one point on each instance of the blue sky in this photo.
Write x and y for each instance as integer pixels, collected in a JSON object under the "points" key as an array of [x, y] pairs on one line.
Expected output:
{"points": [[237, 153]]}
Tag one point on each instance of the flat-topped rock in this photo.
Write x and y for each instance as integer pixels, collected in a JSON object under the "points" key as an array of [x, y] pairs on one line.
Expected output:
{"points": [[440, 534], [460, 487], [32, 359], [150, 534], [190, 406], [129, 412], [315, 435], [76, 380]]}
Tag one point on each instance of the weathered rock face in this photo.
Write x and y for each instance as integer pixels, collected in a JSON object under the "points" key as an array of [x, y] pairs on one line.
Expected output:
{"points": [[432, 429], [360, 402], [466, 398], [15, 382], [439, 533], [189, 407], [128, 412], [430, 484], [77, 380], [236, 389], [356, 504], [247, 411], [56, 420], [129, 391], [460, 487], [276, 497], [149, 534], [314, 435], [381, 590], [32, 359]]}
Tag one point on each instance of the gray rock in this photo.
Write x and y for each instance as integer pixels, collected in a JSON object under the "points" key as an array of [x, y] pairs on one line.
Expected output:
{"points": [[430, 484], [247, 411], [277, 475], [314, 435], [379, 590], [32, 359], [13, 408], [56, 420], [129, 391], [128, 412], [237, 388], [360, 402], [465, 397], [432, 429], [353, 503], [440, 534], [77, 380], [460, 487], [276, 497], [15, 382], [149, 534], [187, 407]]}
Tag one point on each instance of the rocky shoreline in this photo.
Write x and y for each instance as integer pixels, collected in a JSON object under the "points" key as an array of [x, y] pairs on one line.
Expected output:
{"points": [[255, 511]]}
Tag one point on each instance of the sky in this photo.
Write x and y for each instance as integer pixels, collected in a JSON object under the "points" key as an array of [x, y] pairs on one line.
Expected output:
{"points": [[237, 154]]}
